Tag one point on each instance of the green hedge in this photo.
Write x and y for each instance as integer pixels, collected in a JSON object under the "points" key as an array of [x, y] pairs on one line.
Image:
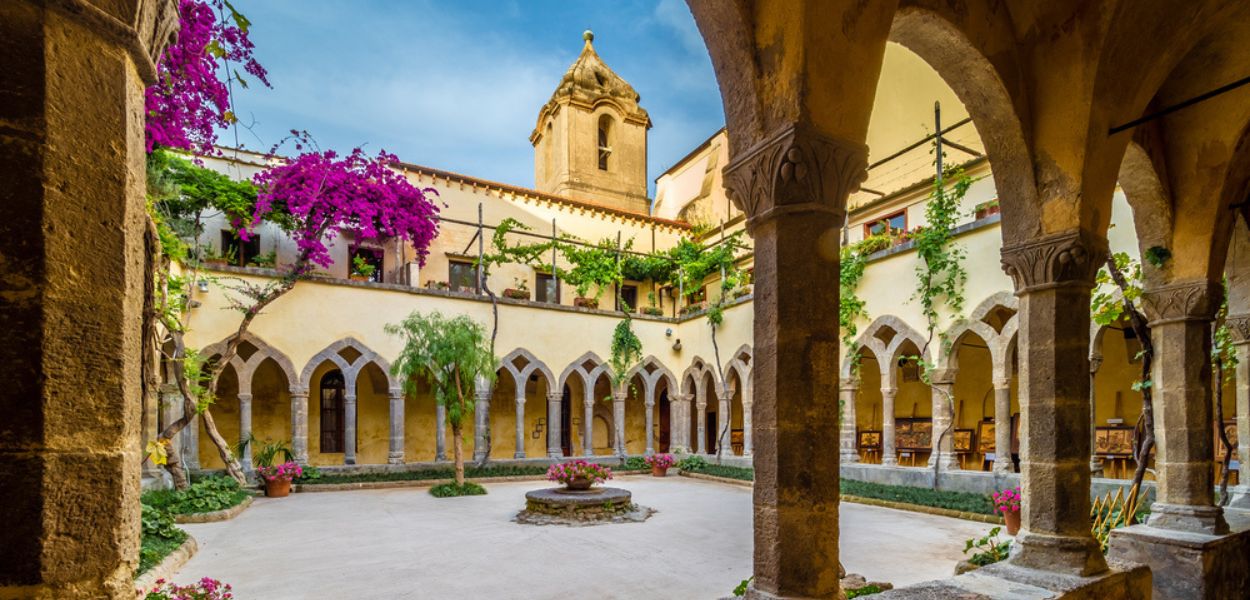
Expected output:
{"points": [[451, 490], [444, 473], [959, 501], [205, 495]]}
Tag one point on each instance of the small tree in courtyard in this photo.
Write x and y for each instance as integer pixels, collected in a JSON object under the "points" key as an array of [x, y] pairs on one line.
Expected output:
{"points": [[451, 354]]}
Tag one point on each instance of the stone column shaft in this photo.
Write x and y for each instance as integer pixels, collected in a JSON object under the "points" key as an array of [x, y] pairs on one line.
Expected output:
{"points": [[889, 456], [299, 425], [793, 188], [520, 425], [554, 423], [245, 431], [588, 422], [1053, 275], [943, 452], [848, 444], [1095, 464], [395, 454], [748, 405], [618, 422], [1002, 427], [1180, 330], [700, 409], [349, 427], [191, 444], [440, 432], [481, 423], [724, 424], [650, 425], [1241, 493]]}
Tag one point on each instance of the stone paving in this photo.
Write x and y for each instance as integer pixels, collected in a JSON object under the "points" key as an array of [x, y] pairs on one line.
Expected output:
{"points": [[404, 543]]}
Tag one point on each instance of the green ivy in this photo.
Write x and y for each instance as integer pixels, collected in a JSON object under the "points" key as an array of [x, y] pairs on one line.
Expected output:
{"points": [[1107, 300], [940, 275], [206, 495], [626, 350]]}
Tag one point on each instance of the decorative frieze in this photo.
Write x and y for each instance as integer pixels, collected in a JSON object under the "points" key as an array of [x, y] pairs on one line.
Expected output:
{"points": [[1183, 301], [797, 169], [1054, 261]]}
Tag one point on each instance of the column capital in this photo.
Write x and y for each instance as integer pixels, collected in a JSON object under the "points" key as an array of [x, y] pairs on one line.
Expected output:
{"points": [[349, 397], [298, 391], [797, 169], [849, 385], [942, 377], [889, 391], [1095, 363], [1195, 300], [520, 398], [1002, 384], [555, 397], [619, 396], [1239, 328], [395, 393], [244, 397], [1059, 260]]}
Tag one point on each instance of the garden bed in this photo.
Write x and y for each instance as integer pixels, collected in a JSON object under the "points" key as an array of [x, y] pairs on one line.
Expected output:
{"points": [[172, 560], [433, 477], [206, 495], [214, 516]]}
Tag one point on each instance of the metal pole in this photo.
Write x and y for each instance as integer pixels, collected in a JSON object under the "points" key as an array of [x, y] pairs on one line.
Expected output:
{"points": [[481, 243], [554, 276], [618, 270], [937, 124]]}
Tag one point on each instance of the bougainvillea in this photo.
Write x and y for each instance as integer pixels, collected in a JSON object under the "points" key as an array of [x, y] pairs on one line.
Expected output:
{"points": [[204, 589], [189, 101], [567, 472], [326, 194], [660, 461], [286, 470]]}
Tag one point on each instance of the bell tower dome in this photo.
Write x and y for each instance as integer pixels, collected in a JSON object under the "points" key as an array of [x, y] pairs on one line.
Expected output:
{"points": [[590, 142]]}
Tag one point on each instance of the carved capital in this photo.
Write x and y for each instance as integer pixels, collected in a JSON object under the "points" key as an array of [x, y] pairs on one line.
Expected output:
{"points": [[143, 27], [1238, 328], [1182, 301], [796, 169], [1054, 261], [942, 376]]}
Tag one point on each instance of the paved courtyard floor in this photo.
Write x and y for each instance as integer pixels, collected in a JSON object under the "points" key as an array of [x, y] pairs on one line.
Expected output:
{"points": [[404, 543]]}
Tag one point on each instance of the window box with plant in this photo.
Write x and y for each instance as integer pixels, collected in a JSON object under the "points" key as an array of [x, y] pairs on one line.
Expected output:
{"points": [[652, 308], [437, 285], [660, 464], [264, 261], [520, 292], [986, 209], [362, 270], [578, 474], [216, 258]]}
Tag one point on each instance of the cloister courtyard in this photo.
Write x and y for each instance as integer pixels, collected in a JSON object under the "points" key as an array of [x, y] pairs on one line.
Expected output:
{"points": [[404, 543]]}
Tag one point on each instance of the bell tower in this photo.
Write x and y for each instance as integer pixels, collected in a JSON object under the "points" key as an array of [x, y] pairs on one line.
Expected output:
{"points": [[590, 142]]}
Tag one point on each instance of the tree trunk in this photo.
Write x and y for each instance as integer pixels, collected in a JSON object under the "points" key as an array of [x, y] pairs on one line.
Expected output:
{"points": [[1146, 423], [457, 444], [1229, 447]]}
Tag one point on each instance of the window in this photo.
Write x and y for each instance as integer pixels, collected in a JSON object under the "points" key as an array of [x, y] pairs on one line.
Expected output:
{"points": [[372, 257], [332, 390], [891, 223], [605, 139], [547, 289], [239, 251], [629, 295], [461, 276]]}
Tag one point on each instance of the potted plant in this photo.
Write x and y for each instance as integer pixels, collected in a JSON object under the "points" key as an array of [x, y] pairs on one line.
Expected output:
{"points": [[660, 464], [986, 209], [219, 259], [362, 270], [278, 478], [437, 285], [520, 292], [582, 300], [1007, 502], [578, 474], [206, 588], [264, 261], [652, 310]]}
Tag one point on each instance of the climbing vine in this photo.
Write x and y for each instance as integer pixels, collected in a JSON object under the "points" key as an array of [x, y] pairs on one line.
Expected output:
{"points": [[852, 308], [1224, 368], [940, 276]]}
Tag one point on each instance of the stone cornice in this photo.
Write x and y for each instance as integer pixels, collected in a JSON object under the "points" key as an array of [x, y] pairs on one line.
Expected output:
{"points": [[1195, 300], [1052, 261], [797, 169], [154, 26]]}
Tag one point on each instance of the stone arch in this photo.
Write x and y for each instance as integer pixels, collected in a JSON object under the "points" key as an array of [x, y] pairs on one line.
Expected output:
{"points": [[695, 373], [651, 370], [245, 368], [977, 324], [886, 348], [350, 356], [588, 367], [529, 364]]}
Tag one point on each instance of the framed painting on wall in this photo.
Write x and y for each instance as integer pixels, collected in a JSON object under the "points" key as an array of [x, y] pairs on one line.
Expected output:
{"points": [[869, 440], [963, 440], [985, 437], [1113, 441]]}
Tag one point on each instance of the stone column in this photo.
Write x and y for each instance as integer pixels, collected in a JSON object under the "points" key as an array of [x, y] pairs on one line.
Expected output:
{"points": [[349, 426], [1052, 276], [618, 422], [481, 421], [679, 421], [588, 422], [245, 430], [724, 424], [1180, 329], [793, 188], [395, 454], [170, 408], [700, 413], [848, 444], [520, 424], [650, 424], [554, 424], [1239, 326], [889, 457], [747, 407], [440, 432], [299, 424], [72, 266], [942, 394], [1095, 465], [1002, 427]]}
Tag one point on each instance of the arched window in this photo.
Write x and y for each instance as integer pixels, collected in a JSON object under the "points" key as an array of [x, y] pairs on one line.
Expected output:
{"points": [[605, 141], [332, 390]]}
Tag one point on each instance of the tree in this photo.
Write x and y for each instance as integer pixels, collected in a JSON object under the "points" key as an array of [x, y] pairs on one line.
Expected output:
{"points": [[451, 354]]}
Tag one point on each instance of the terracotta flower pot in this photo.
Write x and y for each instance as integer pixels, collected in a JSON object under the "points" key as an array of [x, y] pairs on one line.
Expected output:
{"points": [[277, 488], [586, 302], [659, 471], [1012, 520], [580, 483]]}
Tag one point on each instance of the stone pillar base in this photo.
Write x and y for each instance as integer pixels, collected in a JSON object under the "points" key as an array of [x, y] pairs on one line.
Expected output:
{"points": [[518, 454], [1185, 564], [1195, 519], [395, 459], [1074, 556], [1003, 581]]}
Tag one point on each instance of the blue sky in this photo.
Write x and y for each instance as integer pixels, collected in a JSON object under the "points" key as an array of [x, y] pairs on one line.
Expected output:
{"points": [[457, 85]]}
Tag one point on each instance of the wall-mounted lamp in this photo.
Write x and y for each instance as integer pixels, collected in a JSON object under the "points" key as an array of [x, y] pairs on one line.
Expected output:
{"points": [[677, 346], [203, 285], [668, 332]]}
